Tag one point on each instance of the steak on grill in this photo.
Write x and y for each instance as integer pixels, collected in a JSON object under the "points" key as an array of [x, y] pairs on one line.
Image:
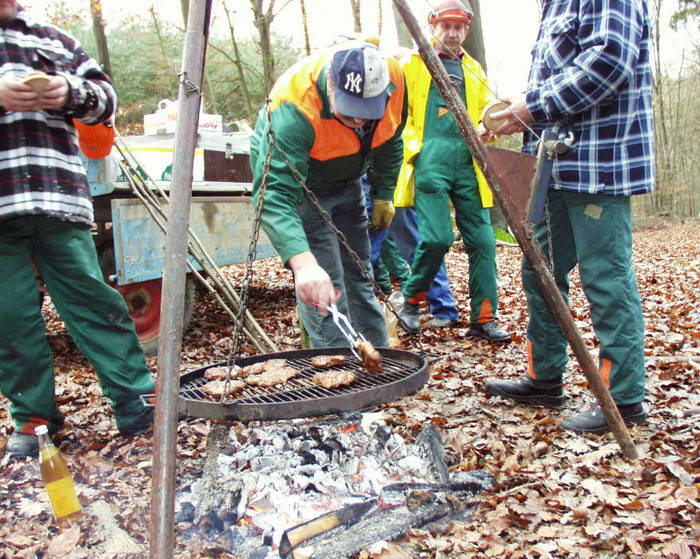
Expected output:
{"points": [[333, 379], [216, 388], [328, 361], [220, 373], [370, 357], [272, 377], [262, 366]]}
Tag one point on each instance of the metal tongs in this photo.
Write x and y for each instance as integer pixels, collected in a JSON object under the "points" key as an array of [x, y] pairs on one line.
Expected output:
{"points": [[343, 324]]}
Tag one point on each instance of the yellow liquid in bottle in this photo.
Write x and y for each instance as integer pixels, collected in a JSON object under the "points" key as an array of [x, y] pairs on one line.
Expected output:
{"points": [[59, 485]]}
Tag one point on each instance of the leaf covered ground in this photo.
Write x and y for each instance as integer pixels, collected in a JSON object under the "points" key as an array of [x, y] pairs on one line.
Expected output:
{"points": [[557, 494]]}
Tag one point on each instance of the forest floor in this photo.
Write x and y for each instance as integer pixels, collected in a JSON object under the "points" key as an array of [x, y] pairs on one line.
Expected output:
{"points": [[557, 494]]}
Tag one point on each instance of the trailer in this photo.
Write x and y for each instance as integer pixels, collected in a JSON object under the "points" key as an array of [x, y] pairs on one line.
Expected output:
{"points": [[129, 243]]}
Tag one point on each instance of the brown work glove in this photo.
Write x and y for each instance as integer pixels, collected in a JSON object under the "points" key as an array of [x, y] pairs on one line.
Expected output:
{"points": [[382, 213]]}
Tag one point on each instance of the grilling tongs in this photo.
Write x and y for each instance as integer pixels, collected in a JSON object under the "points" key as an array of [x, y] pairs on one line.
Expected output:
{"points": [[359, 345]]}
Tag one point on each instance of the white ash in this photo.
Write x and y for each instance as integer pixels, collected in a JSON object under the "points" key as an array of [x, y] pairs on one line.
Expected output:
{"points": [[289, 473]]}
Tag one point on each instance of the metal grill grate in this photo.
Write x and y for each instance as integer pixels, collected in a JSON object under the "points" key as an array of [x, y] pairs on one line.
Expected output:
{"points": [[404, 373]]}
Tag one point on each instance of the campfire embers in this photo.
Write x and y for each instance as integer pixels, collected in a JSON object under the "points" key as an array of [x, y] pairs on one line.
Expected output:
{"points": [[321, 489]]}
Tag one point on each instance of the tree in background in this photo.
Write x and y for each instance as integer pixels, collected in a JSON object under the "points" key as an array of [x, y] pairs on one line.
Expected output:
{"points": [[263, 20], [474, 44], [355, 5], [98, 28], [677, 125], [238, 63], [305, 25], [689, 10]]}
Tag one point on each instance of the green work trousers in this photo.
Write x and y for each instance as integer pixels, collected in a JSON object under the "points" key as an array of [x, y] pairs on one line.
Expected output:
{"points": [[95, 316], [390, 265], [444, 173], [594, 232]]}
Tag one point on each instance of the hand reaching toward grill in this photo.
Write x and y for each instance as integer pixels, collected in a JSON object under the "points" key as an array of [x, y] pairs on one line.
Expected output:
{"points": [[312, 283]]}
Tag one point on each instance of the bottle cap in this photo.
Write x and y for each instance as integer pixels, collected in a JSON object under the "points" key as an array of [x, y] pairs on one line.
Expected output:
{"points": [[41, 430]]}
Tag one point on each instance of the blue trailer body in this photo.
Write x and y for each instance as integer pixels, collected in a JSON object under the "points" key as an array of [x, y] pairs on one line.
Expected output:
{"points": [[222, 224], [221, 217]]}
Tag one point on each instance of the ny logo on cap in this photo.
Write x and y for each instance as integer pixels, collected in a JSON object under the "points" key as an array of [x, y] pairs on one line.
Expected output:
{"points": [[352, 82]]}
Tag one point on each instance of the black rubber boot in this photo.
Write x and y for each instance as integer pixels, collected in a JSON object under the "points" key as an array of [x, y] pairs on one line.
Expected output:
{"points": [[593, 420], [410, 318], [528, 391], [136, 425], [22, 445], [489, 331]]}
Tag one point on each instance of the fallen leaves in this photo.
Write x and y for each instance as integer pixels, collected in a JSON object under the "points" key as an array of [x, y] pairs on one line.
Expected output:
{"points": [[558, 495]]}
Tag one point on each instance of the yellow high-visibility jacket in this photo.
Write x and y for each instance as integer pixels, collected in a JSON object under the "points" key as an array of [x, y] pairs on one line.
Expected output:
{"points": [[418, 82]]}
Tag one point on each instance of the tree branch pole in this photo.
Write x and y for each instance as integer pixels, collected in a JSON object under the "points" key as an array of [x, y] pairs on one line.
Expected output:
{"points": [[505, 185], [174, 273]]}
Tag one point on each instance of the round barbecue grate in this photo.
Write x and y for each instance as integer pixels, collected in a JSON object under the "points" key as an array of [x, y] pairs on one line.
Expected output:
{"points": [[404, 373]]}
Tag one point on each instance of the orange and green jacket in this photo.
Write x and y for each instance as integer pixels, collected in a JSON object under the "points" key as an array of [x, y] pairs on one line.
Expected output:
{"points": [[326, 153], [418, 82]]}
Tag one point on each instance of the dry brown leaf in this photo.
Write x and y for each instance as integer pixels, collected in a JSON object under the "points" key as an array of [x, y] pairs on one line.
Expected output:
{"points": [[65, 542], [391, 550]]}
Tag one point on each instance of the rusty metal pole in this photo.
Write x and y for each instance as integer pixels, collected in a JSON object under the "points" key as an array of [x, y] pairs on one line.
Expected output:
{"points": [[174, 275], [505, 191]]}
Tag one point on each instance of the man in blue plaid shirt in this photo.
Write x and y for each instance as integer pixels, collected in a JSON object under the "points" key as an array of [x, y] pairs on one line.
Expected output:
{"points": [[590, 76]]}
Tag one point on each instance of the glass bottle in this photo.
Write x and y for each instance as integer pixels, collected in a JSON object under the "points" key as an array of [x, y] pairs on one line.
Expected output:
{"points": [[57, 479]]}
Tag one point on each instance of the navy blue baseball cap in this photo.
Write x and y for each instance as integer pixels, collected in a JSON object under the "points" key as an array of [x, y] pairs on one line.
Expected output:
{"points": [[361, 76]]}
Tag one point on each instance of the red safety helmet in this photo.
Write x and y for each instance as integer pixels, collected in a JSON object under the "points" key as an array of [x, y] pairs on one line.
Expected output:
{"points": [[451, 10]]}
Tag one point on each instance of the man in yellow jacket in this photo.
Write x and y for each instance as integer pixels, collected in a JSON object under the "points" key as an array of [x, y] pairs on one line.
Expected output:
{"points": [[438, 167]]}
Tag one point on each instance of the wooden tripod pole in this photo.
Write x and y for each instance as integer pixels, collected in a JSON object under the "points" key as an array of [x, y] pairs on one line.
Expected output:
{"points": [[505, 173]]}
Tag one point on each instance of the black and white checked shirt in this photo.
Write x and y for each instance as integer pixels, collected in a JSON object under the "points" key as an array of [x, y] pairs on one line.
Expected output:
{"points": [[40, 169]]}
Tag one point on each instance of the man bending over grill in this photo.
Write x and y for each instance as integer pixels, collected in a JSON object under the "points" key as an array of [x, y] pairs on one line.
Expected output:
{"points": [[45, 215], [335, 116]]}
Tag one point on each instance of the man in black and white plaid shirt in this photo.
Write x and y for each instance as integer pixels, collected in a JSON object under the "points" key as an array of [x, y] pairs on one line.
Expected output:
{"points": [[590, 76], [45, 215]]}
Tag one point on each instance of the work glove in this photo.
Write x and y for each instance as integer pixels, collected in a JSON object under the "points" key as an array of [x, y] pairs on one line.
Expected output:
{"points": [[382, 213]]}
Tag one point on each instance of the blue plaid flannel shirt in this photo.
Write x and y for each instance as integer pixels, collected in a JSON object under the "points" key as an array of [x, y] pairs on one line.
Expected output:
{"points": [[591, 74]]}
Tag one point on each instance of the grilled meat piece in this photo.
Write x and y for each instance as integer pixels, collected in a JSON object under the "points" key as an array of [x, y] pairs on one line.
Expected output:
{"points": [[370, 357], [272, 377], [262, 366], [333, 379], [328, 361], [220, 373], [216, 388]]}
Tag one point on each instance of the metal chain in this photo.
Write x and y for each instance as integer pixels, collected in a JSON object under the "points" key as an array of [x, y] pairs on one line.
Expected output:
{"points": [[188, 85], [252, 254]]}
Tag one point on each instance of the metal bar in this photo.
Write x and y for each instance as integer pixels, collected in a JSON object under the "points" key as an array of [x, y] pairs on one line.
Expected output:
{"points": [[162, 537], [521, 230]]}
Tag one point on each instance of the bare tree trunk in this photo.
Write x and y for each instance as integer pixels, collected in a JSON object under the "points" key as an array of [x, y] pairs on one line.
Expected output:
{"points": [[239, 65], [402, 32], [474, 44], [381, 17], [263, 20], [184, 7], [156, 26], [355, 4], [305, 23], [660, 127], [98, 27]]}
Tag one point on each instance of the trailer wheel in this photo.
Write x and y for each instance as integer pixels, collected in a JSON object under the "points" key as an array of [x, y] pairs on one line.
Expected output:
{"points": [[143, 302]]}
